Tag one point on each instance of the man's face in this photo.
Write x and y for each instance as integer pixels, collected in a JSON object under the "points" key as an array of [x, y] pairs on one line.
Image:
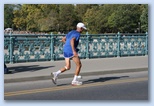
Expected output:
{"points": [[81, 29]]}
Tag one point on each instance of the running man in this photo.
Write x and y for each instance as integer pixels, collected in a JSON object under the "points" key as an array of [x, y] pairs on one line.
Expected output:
{"points": [[70, 50]]}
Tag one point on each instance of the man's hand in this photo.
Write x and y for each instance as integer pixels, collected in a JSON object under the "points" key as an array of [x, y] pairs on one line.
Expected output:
{"points": [[75, 54], [64, 39]]}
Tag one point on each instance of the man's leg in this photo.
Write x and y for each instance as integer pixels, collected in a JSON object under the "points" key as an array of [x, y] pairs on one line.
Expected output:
{"points": [[77, 61], [66, 67], [78, 65]]}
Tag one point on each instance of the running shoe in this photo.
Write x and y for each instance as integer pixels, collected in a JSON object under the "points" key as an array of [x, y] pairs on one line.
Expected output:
{"points": [[74, 83], [79, 77], [54, 77]]}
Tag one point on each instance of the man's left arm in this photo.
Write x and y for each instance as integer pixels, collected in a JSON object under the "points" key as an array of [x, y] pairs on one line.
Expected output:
{"points": [[73, 48]]}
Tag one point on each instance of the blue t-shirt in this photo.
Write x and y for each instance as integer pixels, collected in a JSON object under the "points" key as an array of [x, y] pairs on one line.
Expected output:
{"points": [[72, 34]]}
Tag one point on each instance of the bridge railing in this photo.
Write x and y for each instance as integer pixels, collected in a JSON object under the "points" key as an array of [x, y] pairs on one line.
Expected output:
{"points": [[28, 48]]}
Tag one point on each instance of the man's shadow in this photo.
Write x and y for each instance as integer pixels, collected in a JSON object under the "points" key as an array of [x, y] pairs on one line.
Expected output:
{"points": [[101, 79]]}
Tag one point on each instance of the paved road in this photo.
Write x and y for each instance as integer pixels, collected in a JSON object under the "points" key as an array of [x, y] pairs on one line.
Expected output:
{"points": [[115, 74], [119, 86]]}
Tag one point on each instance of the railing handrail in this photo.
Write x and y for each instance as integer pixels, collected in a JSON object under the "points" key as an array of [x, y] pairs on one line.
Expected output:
{"points": [[105, 34]]}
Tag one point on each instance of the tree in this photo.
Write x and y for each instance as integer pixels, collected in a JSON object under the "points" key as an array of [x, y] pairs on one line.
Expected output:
{"points": [[20, 16], [67, 17], [8, 15], [36, 17], [90, 20], [80, 10], [49, 23], [49, 17], [144, 19], [124, 19], [105, 18], [104, 13], [34, 14]]}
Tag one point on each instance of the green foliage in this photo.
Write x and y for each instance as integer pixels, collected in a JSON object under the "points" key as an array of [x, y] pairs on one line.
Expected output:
{"points": [[144, 19], [106, 18], [123, 19], [8, 15], [67, 17], [91, 20], [80, 10], [105, 13]]}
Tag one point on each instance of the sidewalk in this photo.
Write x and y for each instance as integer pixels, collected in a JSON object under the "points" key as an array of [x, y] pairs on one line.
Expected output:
{"points": [[42, 70]]}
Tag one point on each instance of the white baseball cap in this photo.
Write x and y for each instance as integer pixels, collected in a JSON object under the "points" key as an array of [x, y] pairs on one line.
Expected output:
{"points": [[81, 25]]}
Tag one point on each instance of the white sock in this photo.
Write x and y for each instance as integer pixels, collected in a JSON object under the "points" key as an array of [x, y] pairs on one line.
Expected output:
{"points": [[58, 72], [75, 78]]}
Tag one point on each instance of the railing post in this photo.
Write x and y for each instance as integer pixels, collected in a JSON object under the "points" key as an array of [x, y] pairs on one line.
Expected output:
{"points": [[87, 46], [146, 43], [52, 47], [11, 48], [118, 43]]}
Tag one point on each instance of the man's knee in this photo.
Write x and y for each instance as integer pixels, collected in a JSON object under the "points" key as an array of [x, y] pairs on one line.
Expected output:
{"points": [[79, 65], [67, 67]]}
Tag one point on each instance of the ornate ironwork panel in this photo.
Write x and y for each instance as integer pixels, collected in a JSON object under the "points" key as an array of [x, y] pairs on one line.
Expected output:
{"points": [[103, 46], [133, 45], [82, 47], [58, 47], [30, 48], [25, 48]]}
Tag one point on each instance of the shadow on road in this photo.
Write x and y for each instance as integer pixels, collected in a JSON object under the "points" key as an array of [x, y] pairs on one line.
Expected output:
{"points": [[102, 79], [31, 68], [98, 80]]}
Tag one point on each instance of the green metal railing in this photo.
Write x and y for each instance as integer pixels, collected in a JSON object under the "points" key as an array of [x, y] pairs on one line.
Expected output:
{"points": [[28, 48]]}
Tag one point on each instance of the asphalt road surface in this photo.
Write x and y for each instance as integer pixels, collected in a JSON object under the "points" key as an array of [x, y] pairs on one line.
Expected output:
{"points": [[121, 86]]}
